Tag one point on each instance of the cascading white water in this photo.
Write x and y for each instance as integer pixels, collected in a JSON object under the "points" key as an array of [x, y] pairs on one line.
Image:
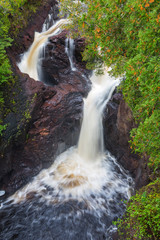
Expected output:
{"points": [[85, 186], [69, 49], [90, 146], [84, 169], [49, 21], [84, 190], [29, 61]]}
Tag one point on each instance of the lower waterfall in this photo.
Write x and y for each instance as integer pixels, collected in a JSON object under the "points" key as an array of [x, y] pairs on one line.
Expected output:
{"points": [[80, 195]]}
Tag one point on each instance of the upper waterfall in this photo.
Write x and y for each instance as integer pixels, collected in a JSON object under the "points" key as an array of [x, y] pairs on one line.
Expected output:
{"points": [[29, 61]]}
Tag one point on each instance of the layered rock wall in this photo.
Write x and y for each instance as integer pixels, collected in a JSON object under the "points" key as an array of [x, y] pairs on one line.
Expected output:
{"points": [[118, 122]]}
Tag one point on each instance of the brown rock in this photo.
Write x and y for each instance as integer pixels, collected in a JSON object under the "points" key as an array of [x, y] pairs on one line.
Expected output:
{"points": [[118, 123], [49, 117]]}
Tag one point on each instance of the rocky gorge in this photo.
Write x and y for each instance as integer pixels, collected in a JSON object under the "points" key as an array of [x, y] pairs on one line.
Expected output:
{"points": [[52, 112]]}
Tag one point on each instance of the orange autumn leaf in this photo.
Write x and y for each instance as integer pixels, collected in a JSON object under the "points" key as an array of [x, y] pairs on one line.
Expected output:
{"points": [[147, 5], [98, 30], [97, 5], [141, 7], [158, 18]]}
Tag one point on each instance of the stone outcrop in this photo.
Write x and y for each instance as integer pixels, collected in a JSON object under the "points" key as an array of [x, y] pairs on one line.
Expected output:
{"points": [[118, 122], [50, 112]]}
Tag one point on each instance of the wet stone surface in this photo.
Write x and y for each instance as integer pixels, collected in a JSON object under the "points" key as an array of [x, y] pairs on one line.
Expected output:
{"points": [[55, 116]]}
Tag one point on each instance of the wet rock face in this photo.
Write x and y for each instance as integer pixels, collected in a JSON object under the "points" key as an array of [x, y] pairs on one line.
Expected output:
{"points": [[35, 23], [118, 122], [56, 65], [51, 122], [54, 126]]}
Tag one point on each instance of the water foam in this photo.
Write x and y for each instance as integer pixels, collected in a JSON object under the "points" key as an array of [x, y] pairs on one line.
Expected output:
{"points": [[84, 170], [83, 191]]}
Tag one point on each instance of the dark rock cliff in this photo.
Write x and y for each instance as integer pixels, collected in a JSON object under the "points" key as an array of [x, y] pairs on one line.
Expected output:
{"points": [[118, 122], [48, 117]]}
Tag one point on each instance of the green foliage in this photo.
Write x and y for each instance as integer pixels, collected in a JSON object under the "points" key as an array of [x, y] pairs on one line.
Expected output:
{"points": [[18, 13], [143, 214], [5, 41], [145, 138], [13, 17], [5, 69], [2, 128], [125, 34]]}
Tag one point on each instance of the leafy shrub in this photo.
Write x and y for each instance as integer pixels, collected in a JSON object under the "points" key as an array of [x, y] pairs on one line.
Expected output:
{"points": [[5, 69], [143, 214], [13, 17]]}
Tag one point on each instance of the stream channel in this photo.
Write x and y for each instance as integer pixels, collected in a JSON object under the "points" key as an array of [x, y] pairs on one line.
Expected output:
{"points": [[85, 189]]}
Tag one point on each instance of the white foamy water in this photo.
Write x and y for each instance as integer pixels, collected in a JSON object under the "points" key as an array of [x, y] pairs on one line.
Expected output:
{"points": [[90, 146], [49, 21], [83, 191], [69, 49], [84, 170], [70, 177], [29, 61]]}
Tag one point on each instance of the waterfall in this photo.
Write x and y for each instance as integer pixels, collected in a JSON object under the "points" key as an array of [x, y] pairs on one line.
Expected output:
{"points": [[83, 169], [69, 49], [84, 190], [90, 146], [29, 61], [49, 21]]}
